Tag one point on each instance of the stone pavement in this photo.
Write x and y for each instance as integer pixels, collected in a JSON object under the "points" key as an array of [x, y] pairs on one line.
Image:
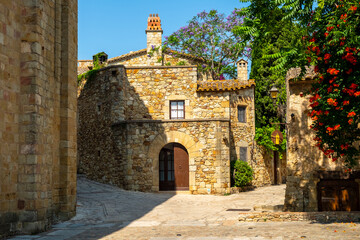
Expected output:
{"points": [[107, 212]]}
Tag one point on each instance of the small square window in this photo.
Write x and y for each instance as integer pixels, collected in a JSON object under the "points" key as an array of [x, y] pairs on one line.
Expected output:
{"points": [[243, 154], [177, 109], [241, 114]]}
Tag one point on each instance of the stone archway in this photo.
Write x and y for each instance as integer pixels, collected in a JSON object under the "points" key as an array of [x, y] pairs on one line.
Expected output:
{"points": [[173, 167], [194, 150]]}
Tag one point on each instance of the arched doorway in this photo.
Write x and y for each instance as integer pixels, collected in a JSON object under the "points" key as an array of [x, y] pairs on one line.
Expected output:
{"points": [[173, 167]]}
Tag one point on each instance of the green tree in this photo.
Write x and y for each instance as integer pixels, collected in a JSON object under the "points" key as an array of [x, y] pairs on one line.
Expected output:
{"points": [[269, 34], [208, 36], [334, 49]]}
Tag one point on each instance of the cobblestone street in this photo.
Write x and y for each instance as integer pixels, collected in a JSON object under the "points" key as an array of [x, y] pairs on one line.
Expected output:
{"points": [[107, 212]]}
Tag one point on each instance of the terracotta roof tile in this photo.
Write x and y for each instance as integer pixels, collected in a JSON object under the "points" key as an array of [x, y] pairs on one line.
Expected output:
{"points": [[144, 51], [128, 55], [224, 85]]}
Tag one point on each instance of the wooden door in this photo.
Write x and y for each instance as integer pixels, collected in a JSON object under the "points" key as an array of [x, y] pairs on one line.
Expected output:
{"points": [[338, 195], [181, 163], [166, 170]]}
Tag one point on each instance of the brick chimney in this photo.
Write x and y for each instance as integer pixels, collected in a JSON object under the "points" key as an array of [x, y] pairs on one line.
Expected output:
{"points": [[154, 35], [242, 72]]}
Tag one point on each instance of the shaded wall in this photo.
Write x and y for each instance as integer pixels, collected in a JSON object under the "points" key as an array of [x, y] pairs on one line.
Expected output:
{"points": [[306, 164], [38, 46]]}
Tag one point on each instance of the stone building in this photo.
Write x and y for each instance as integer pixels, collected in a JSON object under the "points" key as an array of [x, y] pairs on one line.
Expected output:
{"points": [[151, 121], [38, 48], [314, 182]]}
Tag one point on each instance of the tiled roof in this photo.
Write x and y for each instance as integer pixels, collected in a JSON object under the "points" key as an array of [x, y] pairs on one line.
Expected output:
{"points": [[144, 51], [184, 55], [224, 85], [293, 73], [128, 55]]}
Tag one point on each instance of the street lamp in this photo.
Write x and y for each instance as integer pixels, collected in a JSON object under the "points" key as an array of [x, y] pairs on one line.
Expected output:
{"points": [[276, 136], [274, 92]]}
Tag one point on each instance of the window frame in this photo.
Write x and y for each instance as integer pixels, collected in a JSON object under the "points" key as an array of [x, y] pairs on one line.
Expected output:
{"points": [[246, 154], [177, 109], [245, 118]]}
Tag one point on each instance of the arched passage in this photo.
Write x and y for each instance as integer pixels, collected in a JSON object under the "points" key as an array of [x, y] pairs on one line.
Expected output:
{"points": [[173, 167], [193, 148]]}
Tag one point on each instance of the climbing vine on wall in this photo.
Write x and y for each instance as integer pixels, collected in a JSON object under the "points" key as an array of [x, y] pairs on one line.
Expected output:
{"points": [[89, 75]]}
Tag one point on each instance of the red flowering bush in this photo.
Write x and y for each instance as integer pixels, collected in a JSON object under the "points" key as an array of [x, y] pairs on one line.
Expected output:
{"points": [[334, 49]]}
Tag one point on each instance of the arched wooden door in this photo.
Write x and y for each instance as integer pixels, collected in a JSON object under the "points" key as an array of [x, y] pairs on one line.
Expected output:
{"points": [[173, 167]]}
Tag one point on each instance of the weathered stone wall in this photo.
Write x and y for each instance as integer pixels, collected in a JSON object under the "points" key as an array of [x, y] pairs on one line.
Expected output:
{"points": [[208, 154], [101, 105], [38, 46], [304, 159]]}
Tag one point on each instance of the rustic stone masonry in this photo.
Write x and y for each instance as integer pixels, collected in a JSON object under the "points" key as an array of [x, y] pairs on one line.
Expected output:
{"points": [[319, 217], [307, 166], [38, 45], [124, 120]]}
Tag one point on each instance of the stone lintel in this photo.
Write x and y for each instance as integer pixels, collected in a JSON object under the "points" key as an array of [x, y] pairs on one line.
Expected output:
{"points": [[170, 121]]}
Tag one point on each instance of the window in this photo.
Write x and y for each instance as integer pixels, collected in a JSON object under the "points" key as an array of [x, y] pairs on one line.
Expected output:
{"points": [[177, 109], [243, 154], [241, 114]]}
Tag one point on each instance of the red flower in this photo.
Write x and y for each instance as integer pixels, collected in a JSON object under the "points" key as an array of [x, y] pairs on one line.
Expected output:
{"points": [[337, 127], [333, 71], [353, 8], [351, 121], [329, 28], [353, 86], [344, 146], [343, 16], [349, 71], [346, 103], [350, 57], [332, 102], [326, 34], [357, 94], [327, 56], [351, 114]]}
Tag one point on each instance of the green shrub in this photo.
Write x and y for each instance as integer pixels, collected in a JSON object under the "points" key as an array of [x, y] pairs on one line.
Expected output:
{"points": [[241, 173]]}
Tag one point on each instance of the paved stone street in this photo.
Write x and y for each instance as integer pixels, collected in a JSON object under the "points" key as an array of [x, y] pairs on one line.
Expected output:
{"points": [[107, 212]]}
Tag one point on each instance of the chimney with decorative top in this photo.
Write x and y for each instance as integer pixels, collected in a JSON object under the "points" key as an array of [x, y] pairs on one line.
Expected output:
{"points": [[242, 71], [154, 35]]}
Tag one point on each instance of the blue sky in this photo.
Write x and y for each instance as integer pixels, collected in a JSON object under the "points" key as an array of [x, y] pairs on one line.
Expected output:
{"points": [[118, 26]]}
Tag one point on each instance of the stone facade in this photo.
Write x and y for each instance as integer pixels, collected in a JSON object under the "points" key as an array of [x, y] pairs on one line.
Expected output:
{"points": [[124, 121], [128, 123], [307, 166], [38, 48]]}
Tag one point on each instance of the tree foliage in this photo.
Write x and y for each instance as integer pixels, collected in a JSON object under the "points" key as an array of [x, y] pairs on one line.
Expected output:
{"points": [[208, 36], [269, 35], [333, 46], [334, 49]]}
